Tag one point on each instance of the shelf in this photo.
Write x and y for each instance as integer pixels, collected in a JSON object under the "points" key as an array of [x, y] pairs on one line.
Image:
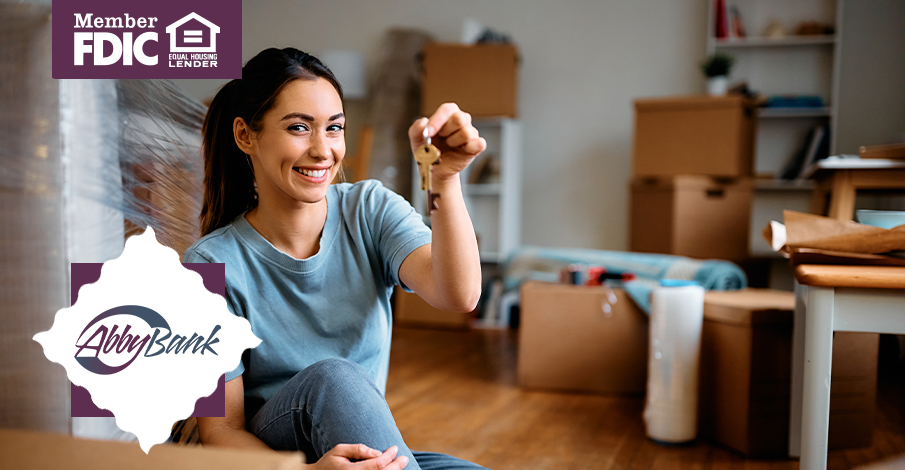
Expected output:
{"points": [[785, 113], [774, 42], [483, 189]]}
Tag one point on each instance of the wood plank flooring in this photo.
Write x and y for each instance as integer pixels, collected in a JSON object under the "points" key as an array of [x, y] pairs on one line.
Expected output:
{"points": [[455, 392]]}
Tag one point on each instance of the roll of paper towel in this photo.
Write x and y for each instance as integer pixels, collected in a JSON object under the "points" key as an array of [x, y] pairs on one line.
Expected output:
{"points": [[676, 317]]}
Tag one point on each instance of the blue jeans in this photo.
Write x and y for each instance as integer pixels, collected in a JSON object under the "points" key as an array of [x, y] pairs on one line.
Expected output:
{"points": [[335, 402]]}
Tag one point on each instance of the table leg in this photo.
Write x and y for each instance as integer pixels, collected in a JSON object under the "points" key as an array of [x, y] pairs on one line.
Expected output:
{"points": [[798, 328], [820, 197], [818, 355], [842, 197]]}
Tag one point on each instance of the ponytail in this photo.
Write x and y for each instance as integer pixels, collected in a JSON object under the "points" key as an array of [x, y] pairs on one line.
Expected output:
{"points": [[229, 181]]}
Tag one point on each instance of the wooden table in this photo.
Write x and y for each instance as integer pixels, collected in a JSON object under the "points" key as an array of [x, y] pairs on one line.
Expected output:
{"points": [[839, 179], [869, 299]]}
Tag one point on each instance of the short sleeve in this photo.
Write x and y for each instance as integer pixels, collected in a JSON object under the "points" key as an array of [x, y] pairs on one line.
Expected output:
{"points": [[239, 370], [241, 367], [398, 229], [192, 256]]}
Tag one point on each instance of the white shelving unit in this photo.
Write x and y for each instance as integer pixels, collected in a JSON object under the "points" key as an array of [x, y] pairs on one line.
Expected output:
{"points": [[773, 42], [494, 206], [791, 65]]}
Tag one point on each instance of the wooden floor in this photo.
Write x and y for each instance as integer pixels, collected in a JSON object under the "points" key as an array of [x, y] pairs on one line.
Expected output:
{"points": [[455, 392]]}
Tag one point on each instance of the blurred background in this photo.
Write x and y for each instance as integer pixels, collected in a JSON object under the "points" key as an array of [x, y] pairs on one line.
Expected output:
{"points": [[671, 128]]}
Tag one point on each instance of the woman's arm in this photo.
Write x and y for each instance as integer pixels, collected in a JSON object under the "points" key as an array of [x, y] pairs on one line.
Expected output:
{"points": [[447, 272]]}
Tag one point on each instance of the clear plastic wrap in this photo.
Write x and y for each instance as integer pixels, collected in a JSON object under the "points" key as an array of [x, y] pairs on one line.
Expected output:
{"points": [[84, 163], [34, 393]]}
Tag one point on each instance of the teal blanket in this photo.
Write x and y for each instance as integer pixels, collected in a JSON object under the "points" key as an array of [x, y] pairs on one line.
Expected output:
{"points": [[544, 264]]}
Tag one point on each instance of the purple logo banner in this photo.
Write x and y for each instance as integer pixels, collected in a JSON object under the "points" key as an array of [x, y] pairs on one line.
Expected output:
{"points": [[214, 276], [160, 39]]}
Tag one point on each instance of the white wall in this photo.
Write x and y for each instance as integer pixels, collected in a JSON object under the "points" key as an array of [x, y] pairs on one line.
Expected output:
{"points": [[583, 63], [872, 76]]}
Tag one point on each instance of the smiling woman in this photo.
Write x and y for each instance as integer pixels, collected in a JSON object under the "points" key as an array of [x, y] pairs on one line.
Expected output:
{"points": [[300, 145], [312, 265]]}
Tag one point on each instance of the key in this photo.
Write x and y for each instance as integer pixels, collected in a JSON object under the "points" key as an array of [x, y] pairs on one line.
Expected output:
{"points": [[427, 156]]}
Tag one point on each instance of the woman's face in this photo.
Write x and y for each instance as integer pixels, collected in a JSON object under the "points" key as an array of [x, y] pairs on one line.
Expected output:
{"points": [[301, 143]]}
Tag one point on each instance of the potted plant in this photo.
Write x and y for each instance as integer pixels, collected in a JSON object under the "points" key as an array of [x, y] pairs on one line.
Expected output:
{"points": [[716, 68]]}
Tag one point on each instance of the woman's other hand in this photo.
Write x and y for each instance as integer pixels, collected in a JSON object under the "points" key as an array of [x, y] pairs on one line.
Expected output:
{"points": [[453, 134], [360, 457]]}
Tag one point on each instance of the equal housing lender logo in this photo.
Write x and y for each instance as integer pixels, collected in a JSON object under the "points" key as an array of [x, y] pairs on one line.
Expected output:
{"points": [[160, 39]]}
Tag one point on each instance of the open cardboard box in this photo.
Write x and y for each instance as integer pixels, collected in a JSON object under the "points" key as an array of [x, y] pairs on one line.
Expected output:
{"points": [[568, 341]]}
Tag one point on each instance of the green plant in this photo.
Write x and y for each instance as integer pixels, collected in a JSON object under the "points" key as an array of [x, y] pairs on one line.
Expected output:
{"points": [[717, 65]]}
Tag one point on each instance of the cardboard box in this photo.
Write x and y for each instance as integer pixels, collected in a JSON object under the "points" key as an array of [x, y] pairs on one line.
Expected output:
{"points": [[568, 342], [700, 135], [411, 310], [481, 79], [35, 450], [746, 356], [694, 216]]}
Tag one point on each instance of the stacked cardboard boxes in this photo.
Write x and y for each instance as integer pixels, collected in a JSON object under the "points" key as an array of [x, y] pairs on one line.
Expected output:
{"points": [[691, 190]]}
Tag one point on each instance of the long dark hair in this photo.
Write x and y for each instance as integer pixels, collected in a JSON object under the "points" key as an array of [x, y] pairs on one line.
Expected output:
{"points": [[229, 180]]}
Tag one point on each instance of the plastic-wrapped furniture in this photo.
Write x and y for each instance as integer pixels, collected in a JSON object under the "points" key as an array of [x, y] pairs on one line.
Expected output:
{"points": [[84, 162]]}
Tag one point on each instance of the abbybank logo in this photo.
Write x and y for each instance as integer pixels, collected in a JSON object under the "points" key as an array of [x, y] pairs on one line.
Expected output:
{"points": [[105, 341], [113, 39], [146, 320]]}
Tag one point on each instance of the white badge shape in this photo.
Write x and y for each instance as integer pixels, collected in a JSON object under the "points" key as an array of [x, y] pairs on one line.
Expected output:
{"points": [[147, 339]]}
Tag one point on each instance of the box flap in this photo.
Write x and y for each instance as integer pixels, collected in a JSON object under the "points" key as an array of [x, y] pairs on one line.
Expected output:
{"points": [[692, 102]]}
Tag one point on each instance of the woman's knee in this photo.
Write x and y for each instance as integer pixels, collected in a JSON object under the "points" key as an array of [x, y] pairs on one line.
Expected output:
{"points": [[336, 374], [336, 368]]}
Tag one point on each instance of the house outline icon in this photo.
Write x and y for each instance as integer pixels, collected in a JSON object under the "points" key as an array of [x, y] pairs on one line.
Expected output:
{"points": [[171, 30]]}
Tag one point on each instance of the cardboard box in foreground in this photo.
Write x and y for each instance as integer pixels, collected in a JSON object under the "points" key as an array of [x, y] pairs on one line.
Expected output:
{"points": [[746, 356], [25, 450], [568, 342]]}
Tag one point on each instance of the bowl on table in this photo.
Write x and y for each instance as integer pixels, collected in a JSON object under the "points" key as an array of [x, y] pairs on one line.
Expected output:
{"points": [[882, 219]]}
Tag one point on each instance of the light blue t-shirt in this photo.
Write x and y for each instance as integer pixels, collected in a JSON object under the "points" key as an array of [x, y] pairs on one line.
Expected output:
{"points": [[333, 304]]}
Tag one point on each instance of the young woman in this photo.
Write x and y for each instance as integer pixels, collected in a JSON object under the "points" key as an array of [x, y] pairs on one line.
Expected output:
{"points": [[312, 265]]}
